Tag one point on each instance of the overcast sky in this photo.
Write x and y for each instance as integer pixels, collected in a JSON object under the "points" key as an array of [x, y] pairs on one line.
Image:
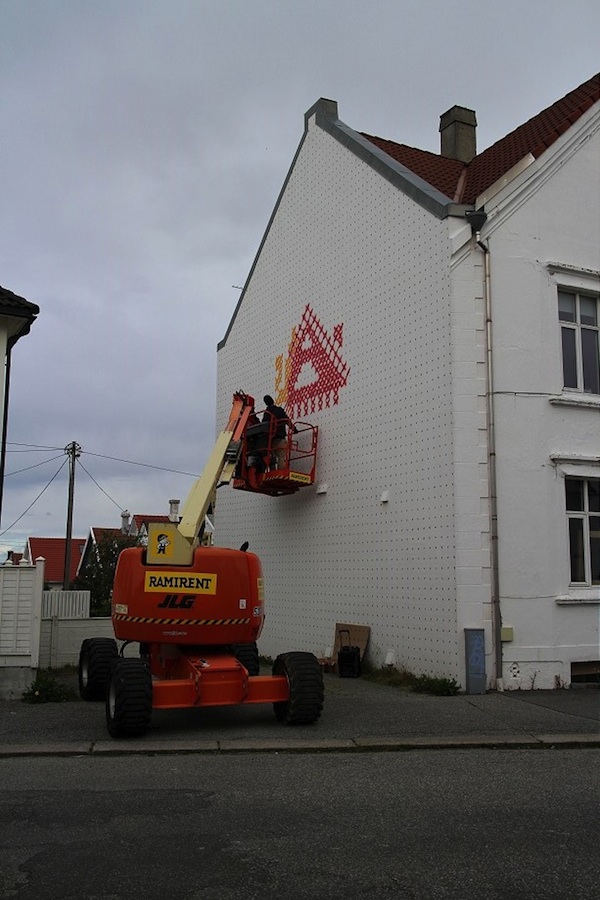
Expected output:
{"points": [[142, 148]]}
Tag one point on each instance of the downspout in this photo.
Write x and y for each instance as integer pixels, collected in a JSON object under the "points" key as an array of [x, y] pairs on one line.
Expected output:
{"points": [[4, 424], [477, 220]]}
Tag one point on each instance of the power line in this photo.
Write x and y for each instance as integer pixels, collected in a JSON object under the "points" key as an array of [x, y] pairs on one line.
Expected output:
{"points": [[132, 462], [62, 465], [31, 446], [98, 486], [27, 469], [38, 447]]}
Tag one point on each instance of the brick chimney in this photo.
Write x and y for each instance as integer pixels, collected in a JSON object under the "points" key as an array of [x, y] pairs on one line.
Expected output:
{"points": [[458, 130], [174, 510], [125, 521]]}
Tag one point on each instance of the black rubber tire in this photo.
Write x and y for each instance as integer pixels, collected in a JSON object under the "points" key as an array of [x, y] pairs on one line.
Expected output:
{"points": [[307, 691], [128, 698], [247, 654], [95, 658]]}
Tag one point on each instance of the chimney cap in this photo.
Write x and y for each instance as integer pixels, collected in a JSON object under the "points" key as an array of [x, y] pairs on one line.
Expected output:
{"points": [[458, 134], [458, 114]]}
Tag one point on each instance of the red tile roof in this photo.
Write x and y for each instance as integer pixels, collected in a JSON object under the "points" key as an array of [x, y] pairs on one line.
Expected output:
{"points": [[99, 534], [140, 519], [53, 551], [487, 167]]}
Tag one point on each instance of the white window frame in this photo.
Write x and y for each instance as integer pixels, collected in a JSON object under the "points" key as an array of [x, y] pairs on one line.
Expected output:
{"points": [[584, 516], [578, 327], [563, 276]]}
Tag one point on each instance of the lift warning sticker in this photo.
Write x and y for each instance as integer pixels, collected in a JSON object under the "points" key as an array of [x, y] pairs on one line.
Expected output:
{"points": [[195, 583]]}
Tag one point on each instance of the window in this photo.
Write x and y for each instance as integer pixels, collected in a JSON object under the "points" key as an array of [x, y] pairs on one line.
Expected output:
{"points": [[583, 515], [579, 316]]}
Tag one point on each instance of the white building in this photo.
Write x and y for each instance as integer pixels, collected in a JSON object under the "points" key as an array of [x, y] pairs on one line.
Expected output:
{"points": [[451, 364]]}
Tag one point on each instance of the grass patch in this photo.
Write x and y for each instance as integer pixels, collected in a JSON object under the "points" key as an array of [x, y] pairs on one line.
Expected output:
{"points": [[46, 689], [266, 661], [441, 687], [401, 678]]}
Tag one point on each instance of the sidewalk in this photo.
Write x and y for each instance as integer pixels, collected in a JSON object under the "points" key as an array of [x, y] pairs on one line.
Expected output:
{"points": [[358, 715]]}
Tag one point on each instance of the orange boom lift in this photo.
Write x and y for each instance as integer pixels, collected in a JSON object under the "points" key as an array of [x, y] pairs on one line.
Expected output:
{"points": [[197, 611]]}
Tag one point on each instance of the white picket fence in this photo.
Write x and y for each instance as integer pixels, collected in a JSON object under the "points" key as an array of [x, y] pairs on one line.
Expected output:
{"points": [[40, 629], [61, 639], [21, 590], [66, 604], [65, 624]]}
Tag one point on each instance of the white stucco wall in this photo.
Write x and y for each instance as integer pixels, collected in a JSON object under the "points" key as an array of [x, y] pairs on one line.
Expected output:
{"points": [[549, 216], [366, 257]]}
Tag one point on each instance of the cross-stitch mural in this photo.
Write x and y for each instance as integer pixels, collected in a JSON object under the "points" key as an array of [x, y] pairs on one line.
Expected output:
{"points": [[314, 371]]}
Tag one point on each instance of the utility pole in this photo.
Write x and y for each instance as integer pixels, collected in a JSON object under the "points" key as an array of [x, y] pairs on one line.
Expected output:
{"points": [[73, 451]]}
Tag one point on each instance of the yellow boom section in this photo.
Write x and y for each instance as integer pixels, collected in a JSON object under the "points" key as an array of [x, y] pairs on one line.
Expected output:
{"points": [[175, 543]]}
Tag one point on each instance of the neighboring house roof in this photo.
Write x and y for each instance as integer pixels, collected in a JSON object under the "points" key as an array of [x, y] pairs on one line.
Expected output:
{"points": [[53, 551], [19, 308], [95, 536], [463, 183], [12, 304], [98, 534], [139, 520], [13, 557]]}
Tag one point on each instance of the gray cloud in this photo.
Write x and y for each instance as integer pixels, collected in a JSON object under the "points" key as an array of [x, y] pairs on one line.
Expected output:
{"points": [[143, 147]]}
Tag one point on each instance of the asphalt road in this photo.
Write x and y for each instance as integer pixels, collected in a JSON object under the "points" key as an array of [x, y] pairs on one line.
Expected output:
{"points": [[425, 825]]}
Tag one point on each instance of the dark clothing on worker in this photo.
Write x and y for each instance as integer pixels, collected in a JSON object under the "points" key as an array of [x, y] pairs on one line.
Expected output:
{"points": [[279, 413], [279, 424]]}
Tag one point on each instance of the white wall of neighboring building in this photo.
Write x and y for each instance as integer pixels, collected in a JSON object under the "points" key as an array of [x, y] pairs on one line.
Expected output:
{"points": [[548, 216], [365, 257]]}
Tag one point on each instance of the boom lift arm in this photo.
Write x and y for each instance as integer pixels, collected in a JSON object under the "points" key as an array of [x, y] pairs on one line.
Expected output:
{"points": [[174, 543]]}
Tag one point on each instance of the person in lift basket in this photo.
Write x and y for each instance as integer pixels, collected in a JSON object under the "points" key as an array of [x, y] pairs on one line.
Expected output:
{"points": [[279, 444]]}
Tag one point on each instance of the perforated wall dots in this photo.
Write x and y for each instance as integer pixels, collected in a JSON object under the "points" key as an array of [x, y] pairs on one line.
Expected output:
{"points": [[347, 320]]}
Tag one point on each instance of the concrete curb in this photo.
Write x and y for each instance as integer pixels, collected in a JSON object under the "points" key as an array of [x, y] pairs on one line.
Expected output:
{"points": [[256, 745]]}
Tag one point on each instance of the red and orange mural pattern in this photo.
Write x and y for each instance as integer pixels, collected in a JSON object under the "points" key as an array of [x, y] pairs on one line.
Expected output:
{"points": [[313, 372]]}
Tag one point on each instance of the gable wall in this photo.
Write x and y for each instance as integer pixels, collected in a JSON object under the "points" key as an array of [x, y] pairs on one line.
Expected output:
{"points": [[366, 257]]}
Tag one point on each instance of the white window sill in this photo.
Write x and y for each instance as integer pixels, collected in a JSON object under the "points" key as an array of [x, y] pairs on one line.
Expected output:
{"points": [[580, 597], [585, 401]]}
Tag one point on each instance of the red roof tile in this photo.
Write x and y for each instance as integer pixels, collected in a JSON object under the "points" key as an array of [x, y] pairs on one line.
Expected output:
{"points": [[439, 171], [141, 519], [487, 167], [53, 551], [100, 533]]}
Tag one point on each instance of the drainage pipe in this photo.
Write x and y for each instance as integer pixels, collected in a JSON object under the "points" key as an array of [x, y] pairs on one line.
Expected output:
{"points": [[492, 480]]}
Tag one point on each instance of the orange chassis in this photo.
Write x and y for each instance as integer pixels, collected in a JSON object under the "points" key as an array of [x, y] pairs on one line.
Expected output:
{"points": [[210, 679]]}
